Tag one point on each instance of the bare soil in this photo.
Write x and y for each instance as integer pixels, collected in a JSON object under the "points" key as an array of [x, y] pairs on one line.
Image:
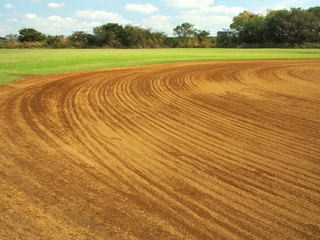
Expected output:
{"points": [[205, 150]]}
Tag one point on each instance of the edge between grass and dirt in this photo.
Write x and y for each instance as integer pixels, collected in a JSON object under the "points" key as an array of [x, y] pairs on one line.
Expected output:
{"points": [[18, 63]]}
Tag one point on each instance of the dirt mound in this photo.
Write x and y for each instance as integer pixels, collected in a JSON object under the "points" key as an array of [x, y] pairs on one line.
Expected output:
{"points": [[207, 150]]}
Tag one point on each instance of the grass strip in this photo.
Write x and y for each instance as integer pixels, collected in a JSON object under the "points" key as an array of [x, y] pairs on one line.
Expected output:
{"points": [[18, 62]]}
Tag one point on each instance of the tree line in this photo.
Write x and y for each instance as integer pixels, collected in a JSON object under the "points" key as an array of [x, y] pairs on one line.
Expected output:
{"points": [[284, 28], [278, 28], [113, 35]]}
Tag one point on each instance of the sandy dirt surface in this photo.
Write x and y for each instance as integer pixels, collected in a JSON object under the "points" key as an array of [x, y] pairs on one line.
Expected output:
{"points": [[206, 150]]}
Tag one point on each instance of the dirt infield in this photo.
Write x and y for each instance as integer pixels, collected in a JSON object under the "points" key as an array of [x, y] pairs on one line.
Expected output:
{"points": [[206, 150]]}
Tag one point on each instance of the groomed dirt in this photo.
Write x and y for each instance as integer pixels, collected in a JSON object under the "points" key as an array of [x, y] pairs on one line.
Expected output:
{"points": [[206, 150]]}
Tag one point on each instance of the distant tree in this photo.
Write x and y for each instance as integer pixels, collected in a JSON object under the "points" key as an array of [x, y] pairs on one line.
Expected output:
{"points": [[131, 36], [12, 37], [315, 11], [30, 35], [250, 27], [227, 38], [303, 26], [202, 35], [293, 26], [185, 32], [203, 38], [128, 36], [53, 40], [278, 25], [82, 39], [159, 39], [172, 42], [108, 34]]}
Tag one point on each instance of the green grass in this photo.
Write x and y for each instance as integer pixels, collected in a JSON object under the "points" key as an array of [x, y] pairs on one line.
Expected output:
{"points": [[15, 62]]}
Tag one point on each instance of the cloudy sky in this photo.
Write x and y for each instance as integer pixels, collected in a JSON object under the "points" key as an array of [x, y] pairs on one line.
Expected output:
{"points": [[66, 16]]}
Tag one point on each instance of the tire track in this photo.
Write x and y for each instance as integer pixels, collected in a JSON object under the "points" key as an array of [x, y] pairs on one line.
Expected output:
{"points": [[204, 150]]}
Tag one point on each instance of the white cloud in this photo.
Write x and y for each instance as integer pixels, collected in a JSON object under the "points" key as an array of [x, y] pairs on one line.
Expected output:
{"points": [[212, 19], [109, 16], [6, 29], [57, 24], [31, 16], [55, 5], [287, 4], [36, 1], [188, 3], [55, 18], [202, 21], [160, 23], [8, 5], [211, 23], [11, 20], [145, 8], [223, 9]]}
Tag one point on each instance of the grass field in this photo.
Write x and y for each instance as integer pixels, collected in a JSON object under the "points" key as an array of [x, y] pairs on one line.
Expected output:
{"points": [[16, 62]]}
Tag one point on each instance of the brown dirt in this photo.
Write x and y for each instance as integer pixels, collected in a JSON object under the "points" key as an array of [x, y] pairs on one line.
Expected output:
{"points": [[207, 150]]}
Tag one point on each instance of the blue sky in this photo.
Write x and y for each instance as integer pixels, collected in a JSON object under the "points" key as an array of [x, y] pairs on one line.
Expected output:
{"points": [[66, 16]]}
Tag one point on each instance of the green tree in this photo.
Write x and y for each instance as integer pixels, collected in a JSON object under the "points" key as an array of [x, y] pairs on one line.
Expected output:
{"points": [[52, 40], [294, 26], [250, 27], [12, 37], [159, 39], [131, 36], [278, 22], [82, 39], [202, 35], [30, 35], [185, 32], [227, 38], [303, 26], [108, 34], [315, 11]]}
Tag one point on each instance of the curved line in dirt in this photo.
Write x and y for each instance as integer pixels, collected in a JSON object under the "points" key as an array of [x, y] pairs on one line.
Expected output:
{"points": [[205, 150]]}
